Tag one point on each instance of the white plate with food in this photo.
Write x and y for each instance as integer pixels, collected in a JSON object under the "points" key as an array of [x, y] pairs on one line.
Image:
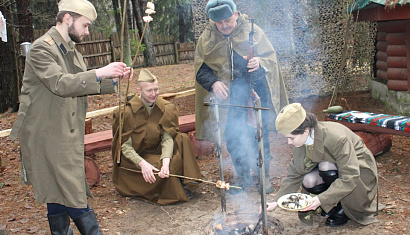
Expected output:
{"points": [[294, 201]]}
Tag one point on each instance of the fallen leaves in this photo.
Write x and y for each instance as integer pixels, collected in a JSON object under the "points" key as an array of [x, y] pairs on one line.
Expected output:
{"points": [[19, 211]]}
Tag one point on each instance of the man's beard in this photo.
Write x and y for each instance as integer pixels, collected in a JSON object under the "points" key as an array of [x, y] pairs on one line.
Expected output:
{"points": [[73, 34]]}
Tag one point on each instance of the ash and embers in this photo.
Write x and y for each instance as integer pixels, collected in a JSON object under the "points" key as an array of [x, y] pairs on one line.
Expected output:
{"points": [[242, 224]]}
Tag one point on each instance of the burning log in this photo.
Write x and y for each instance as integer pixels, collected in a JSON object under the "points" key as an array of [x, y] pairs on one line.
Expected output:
{"points": [[242, 223]]}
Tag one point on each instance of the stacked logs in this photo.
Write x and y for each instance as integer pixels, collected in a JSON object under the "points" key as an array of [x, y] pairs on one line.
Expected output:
{"points": [[392, 49]]}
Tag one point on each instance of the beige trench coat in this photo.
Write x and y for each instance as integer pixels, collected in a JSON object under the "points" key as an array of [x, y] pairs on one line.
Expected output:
{"points": [[213, 50], [50, 122], [356, 186]]}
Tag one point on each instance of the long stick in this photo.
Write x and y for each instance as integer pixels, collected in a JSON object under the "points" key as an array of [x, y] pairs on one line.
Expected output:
{"points": [[233, 105], [139, 44], [133, 61], [119, 83], [219, 156], [261, 162], [179, 176], [128, 84]]}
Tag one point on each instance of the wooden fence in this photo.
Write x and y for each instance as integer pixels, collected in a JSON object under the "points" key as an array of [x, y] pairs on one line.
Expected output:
{"points": [[99, 49]]}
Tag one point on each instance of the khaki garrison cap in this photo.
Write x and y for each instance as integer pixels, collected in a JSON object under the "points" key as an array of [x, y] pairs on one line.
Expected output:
{"points": [[290, 118], [146, 76], [82, 7]]}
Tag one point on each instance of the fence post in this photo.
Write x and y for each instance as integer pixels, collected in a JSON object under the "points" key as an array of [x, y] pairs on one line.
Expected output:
{"points": [[112, 46], [176, 52]]}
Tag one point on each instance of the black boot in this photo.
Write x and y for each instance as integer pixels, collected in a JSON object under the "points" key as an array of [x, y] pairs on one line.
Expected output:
{"points": [[268, 186], [318, 189], [87, 224], [60, 224], [325, 214], [329, 176], [338, 217]]}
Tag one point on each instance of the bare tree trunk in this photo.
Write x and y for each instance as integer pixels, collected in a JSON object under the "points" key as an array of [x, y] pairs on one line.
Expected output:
{"points": [[25, 20], [185, 21], [25, 35], [130, 16], [181, 23], [117, 15], [139, 7], [8, 67], [126, 46]]}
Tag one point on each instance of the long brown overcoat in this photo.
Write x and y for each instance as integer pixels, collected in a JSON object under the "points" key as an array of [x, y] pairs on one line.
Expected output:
{"points": [[145, 131], [356, 186], [51, 120]]}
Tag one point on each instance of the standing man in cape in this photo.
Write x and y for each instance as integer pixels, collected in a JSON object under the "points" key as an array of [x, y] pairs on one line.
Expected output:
{"points": [[51, 118], [151, 143], [223, 70]]}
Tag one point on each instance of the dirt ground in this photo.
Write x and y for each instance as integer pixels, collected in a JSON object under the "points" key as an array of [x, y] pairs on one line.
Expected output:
{"points": [[20, 214]]}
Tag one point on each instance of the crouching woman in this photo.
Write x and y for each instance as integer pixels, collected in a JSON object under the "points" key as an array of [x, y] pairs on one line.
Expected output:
{"points": [[330, 161]]}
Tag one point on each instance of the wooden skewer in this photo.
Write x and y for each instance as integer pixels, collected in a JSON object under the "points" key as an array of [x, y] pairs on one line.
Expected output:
{"points": [[180, 176]]}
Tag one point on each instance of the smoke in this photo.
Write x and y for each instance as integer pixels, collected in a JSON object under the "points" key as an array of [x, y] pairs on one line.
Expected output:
{"points": [[308, 36]]}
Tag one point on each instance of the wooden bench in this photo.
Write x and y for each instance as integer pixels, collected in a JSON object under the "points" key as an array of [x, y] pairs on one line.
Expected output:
{"points": [[378, 139], [369, 128], [362, 125]]}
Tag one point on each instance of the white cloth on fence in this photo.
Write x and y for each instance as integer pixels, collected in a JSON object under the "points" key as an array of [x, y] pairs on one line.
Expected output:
{"points": [[3, 28]]}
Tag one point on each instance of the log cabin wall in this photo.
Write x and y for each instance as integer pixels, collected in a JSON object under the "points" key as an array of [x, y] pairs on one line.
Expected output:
{"points": [[393, 54]]}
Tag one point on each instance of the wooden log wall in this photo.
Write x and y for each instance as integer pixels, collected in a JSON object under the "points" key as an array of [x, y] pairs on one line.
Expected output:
{"points": [[165, 50], [186, 52], [407, 23], [96, 50], [393, 54], [116, 47]]}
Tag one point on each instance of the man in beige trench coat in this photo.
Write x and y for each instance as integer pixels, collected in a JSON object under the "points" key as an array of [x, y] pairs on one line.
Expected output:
{"points": [[225, 73], [50, 122]]}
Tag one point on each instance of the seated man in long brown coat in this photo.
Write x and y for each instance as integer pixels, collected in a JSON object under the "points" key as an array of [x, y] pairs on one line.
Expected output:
{"points": [[152, 148]]}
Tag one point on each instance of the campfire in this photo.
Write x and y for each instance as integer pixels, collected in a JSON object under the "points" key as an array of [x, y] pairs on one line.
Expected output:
{"points": [[242, 223]]}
